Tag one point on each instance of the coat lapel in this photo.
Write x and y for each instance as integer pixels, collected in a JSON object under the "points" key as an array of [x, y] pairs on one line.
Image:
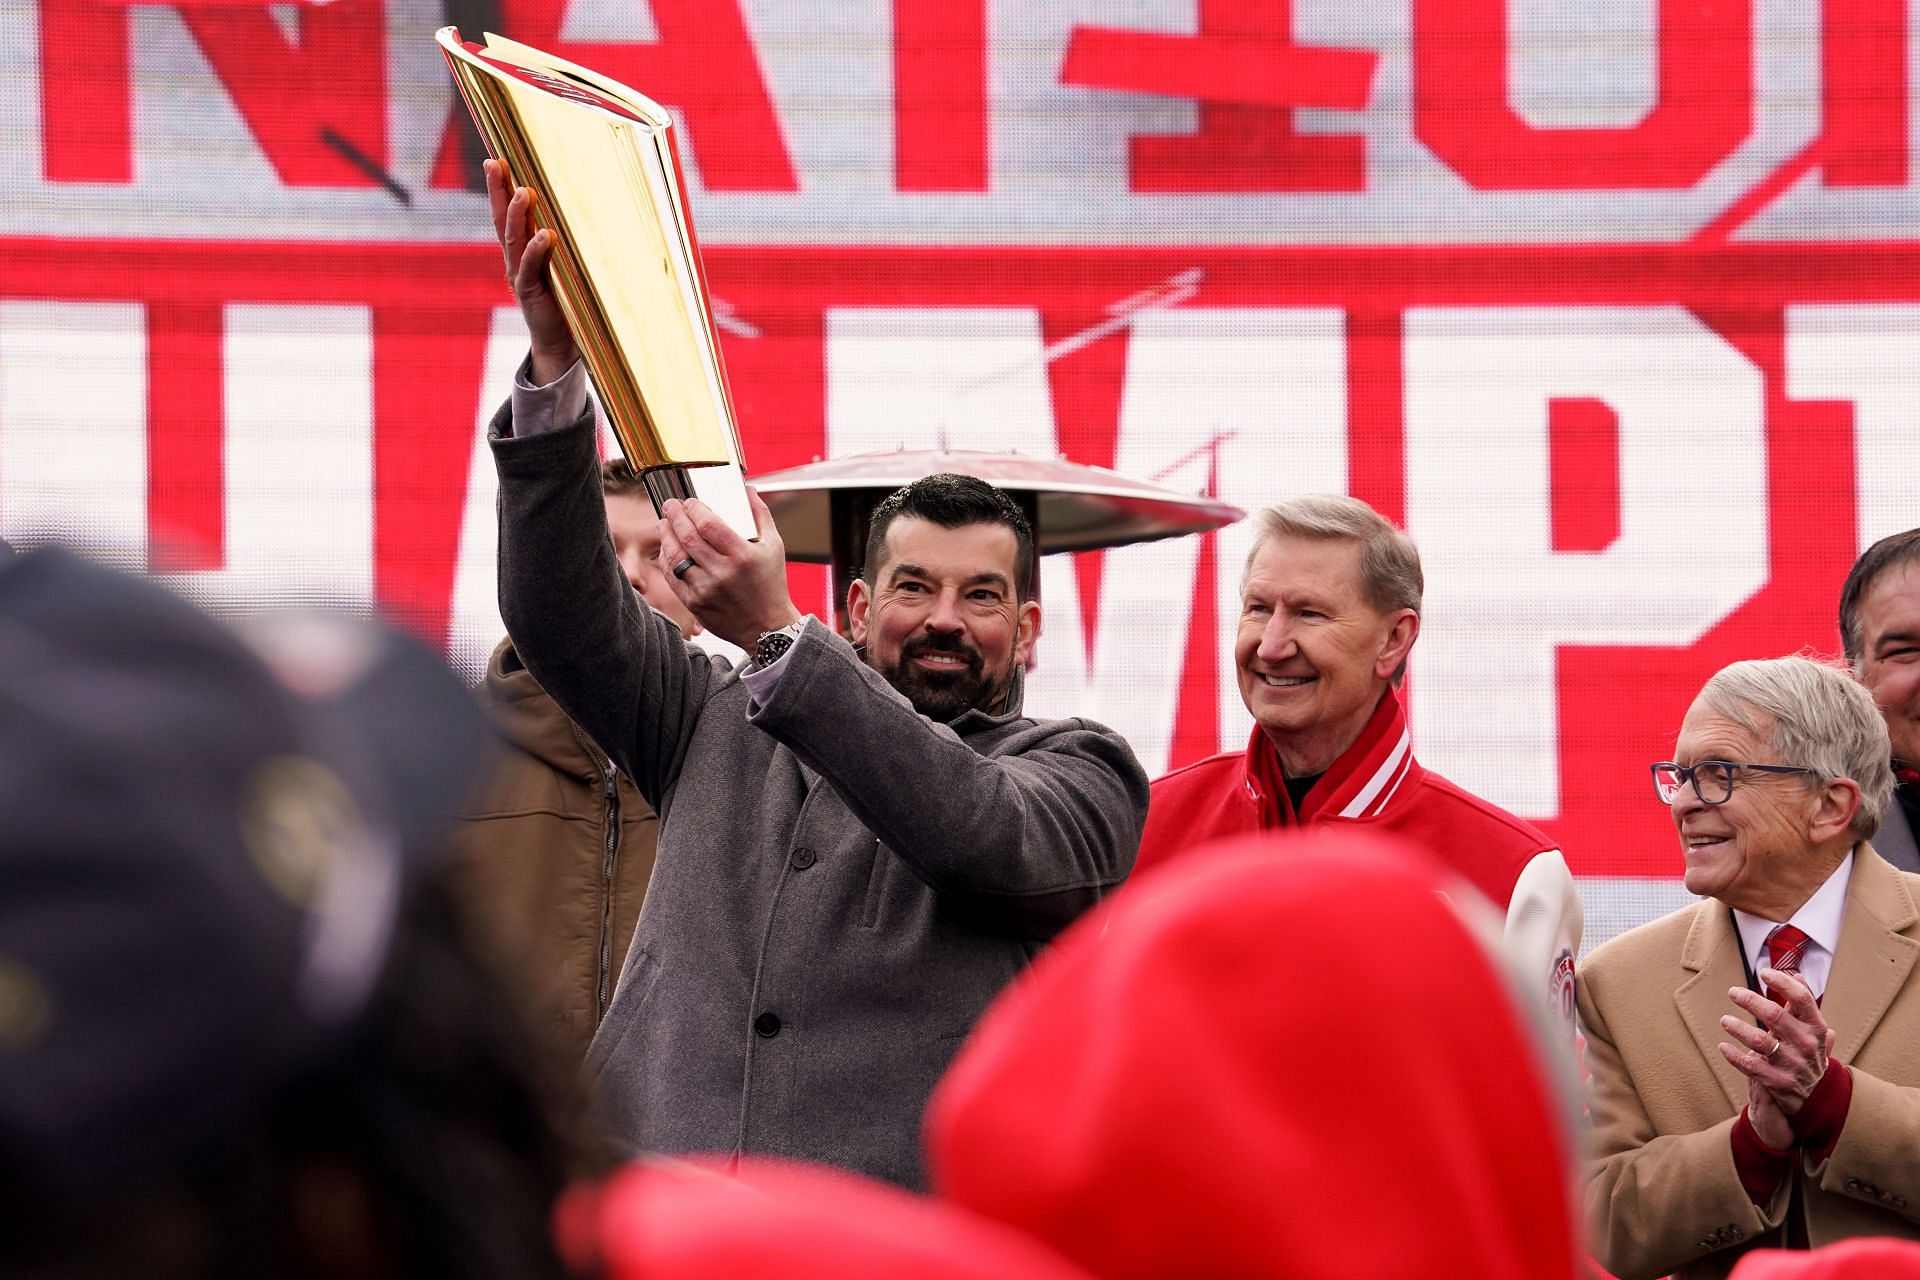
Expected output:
{"points": [[1872, 960], [1712, 954]]}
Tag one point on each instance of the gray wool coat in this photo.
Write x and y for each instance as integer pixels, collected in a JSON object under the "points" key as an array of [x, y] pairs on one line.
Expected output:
{"points": [[842, 884]]}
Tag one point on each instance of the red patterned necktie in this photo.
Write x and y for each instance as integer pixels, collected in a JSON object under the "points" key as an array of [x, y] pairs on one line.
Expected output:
{"points": [[1785, 945]]}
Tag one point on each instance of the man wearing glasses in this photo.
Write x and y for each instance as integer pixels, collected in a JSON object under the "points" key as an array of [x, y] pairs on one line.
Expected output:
{"points": [[1768, 1100]]}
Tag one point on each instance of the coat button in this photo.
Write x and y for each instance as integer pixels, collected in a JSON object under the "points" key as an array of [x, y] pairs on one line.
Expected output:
{"points": [[802, 858], [767, 1025]]}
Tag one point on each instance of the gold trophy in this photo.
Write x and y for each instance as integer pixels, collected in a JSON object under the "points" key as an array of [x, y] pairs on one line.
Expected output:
{"points": [[606, 181]]}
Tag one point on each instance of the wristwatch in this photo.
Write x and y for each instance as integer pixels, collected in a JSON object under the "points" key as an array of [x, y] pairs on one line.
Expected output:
{"points": [[771, 644]]}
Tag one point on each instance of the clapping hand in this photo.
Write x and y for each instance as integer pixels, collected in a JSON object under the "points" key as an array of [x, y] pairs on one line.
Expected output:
{"points": [[1786, 1054]]}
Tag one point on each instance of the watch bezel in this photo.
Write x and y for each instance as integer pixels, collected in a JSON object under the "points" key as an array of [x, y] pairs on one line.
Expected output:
{"points": [[772, 645]]}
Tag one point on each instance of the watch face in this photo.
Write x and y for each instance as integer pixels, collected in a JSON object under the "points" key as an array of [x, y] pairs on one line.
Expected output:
{"points": [[772, 645]]}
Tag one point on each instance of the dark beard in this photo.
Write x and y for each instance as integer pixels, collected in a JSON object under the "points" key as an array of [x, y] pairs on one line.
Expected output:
{"points": [[941, 695]]}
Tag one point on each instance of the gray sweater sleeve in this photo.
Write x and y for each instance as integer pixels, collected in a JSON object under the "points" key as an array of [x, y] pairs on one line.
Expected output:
{"points": [[1028, 836], [622, 672]]}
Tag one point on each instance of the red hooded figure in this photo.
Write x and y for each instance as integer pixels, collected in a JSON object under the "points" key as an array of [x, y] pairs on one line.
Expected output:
{"points": [[1249, 1065]]}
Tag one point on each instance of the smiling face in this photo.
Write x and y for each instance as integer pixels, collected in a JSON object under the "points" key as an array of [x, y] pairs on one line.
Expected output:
{"points": [[1890, 654], [1313, 655], [942, 623], [1775, 839]]}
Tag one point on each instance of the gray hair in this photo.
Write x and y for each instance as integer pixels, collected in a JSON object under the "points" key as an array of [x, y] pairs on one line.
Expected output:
{"points": [[1821, 718], [1389, 562]]}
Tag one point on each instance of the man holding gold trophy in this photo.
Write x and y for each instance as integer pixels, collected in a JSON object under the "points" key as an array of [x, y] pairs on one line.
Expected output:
{"points": [[860, 844]]}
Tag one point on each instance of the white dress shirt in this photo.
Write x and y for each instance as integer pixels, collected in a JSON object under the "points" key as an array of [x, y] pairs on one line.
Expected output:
{"points": [[1819, 918], [541, 409]]}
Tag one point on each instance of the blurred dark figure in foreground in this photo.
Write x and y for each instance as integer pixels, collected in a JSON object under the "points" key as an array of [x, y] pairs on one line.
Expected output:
{"points": [[1285, 1067], [241, 1030]]}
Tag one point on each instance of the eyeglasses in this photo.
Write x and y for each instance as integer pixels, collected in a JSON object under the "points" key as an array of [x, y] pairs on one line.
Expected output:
{"points": [[1712, 779]]}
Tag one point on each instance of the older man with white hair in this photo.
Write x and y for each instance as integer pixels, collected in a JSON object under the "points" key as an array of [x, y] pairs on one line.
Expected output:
{"points": [[1770, 1099]]}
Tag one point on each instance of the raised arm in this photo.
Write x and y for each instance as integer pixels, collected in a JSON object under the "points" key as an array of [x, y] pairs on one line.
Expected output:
{"points": [[620, 671]]}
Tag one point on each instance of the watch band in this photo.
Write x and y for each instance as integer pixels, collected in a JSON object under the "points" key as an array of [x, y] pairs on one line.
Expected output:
{"points": [[768, 649]]}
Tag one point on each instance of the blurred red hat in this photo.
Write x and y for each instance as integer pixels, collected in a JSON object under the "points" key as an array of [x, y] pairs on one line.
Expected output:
{"points": [[1873, 1258], [1291, 1058], [670, 1220]]}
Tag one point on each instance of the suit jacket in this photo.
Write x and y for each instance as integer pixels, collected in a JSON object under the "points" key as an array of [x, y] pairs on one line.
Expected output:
{"points": [[1662, 1193], [1895, 840]]}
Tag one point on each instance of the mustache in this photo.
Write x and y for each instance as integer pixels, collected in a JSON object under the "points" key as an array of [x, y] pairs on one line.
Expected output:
{"points": [[940, 644]]}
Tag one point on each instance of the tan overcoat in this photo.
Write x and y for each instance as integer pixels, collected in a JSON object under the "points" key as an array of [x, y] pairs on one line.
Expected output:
{"points": [[1662, 1193]]}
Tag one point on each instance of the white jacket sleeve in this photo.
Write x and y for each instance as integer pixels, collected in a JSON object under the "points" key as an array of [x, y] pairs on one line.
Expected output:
{"points": [[1542, 935]]}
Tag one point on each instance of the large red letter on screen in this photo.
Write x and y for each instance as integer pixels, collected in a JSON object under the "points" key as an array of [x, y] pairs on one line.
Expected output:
{"points": [[1863, 93], [704, 64], [316, 105], [941, 138], [1249, 76], [1462, 108]]}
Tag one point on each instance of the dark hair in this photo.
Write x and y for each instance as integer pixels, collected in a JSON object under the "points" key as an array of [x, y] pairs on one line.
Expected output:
{"points": [[436, 1102], [1894, 549], [953, 501], [618, 478]]}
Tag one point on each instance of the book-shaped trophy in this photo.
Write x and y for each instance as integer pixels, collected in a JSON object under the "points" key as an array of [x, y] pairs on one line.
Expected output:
{"points": [[625, 266]]}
